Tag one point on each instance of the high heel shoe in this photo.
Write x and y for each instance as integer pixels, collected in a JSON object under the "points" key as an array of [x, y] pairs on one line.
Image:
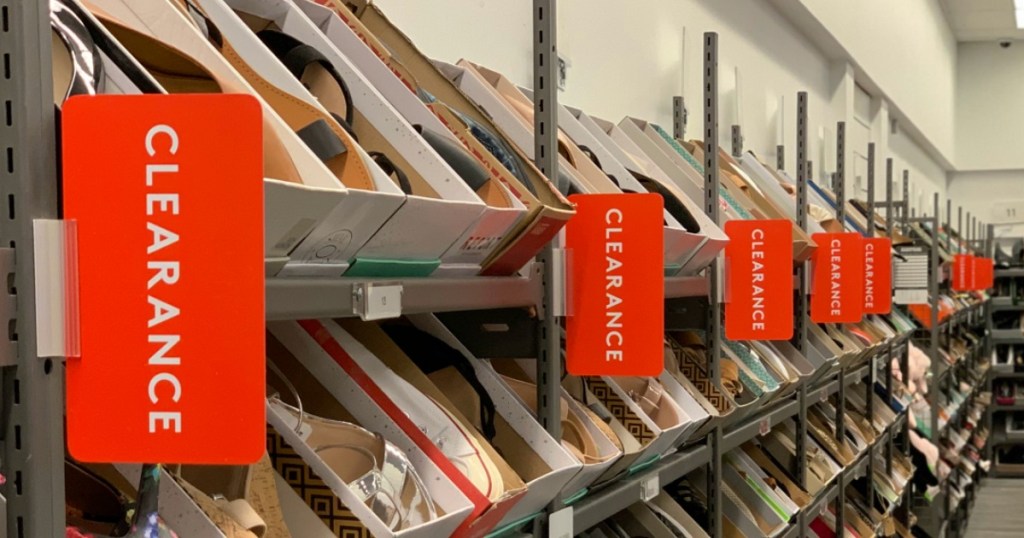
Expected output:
{"points": [[375, 471], [77, 65], [177, 72]]}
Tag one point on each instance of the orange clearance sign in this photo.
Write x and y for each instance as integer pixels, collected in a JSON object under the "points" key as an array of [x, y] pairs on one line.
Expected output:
{"points": [[984, 273], [759, 280], [616, 285], [837, 293], [963, 272], [877, 275], [167, 194]]}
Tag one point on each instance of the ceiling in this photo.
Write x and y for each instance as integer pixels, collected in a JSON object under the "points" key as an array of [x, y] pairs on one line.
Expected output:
{"points": [[982, 20]]}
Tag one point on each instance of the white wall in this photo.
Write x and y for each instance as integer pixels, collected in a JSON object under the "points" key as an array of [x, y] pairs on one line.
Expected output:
{"points": [[976, 191], [990, 112], [626, 57], [908, 49], [626, 60]]}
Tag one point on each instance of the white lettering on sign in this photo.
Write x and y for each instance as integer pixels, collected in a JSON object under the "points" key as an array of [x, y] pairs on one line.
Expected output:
{"points": [[164, 386], [836, 261], [757, 314], [613, 340], [869, 275]]}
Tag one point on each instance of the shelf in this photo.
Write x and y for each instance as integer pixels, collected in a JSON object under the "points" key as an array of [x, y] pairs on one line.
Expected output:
{"points": [[1013, 271], [302, 298], [620, 495], [1013, 407], [1007, 303], [1007, 336], [596, 507], [1004, 371], [686, 286], [1011, 470]]}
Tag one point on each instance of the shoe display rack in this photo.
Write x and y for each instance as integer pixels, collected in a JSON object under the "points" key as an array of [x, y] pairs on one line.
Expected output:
{"points": [[1006, 445], [855, 407], [957, 402]]}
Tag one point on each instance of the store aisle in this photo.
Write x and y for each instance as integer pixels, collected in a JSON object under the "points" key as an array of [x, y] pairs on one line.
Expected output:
{"points": [[997, 513]]}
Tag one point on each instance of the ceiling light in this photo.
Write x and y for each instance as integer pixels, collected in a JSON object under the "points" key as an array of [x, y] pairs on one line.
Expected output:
{"points": [[1020, 16], [1018, 4]]}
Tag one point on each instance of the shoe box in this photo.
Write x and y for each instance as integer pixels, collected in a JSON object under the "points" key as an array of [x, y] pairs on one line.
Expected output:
{"points": [[321, 214], [522, 417], [548, 210], [534, 468], [402, 247], [339, 397]]}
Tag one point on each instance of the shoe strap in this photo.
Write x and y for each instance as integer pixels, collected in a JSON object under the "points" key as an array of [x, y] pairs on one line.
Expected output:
{"points": [[297, 56]]}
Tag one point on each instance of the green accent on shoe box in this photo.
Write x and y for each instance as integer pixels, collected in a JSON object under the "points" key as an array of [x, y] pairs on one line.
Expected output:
{"points": [[576, 496], [644, 465], [369, 267]]}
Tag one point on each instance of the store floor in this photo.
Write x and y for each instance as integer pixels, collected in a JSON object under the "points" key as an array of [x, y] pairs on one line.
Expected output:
{"points": [[997, 512]]}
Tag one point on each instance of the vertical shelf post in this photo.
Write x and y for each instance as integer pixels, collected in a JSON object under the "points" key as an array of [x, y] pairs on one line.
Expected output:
{"points": [[800, 310], [869, 232], [33, 458], [714, 321], [889, 220], [906, 201], [839, 186], [545, 115], [678, 117]]}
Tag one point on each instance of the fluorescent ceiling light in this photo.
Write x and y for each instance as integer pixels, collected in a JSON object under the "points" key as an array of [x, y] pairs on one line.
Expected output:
{"points": [[1019, 12]]}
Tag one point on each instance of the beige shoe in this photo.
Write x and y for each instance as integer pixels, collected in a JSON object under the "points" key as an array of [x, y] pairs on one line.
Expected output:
{"points": [[246, 493]]}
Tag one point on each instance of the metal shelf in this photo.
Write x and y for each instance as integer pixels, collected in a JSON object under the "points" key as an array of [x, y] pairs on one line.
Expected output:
{"points": [[1011, 272], [686, 286], [302, 298], [601, 504], [1007, 336], [1007, 303]]}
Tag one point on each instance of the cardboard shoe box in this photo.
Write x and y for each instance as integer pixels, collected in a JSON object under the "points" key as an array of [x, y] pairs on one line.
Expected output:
{"points": [[320, 214], [403, 246], [547, 209]]}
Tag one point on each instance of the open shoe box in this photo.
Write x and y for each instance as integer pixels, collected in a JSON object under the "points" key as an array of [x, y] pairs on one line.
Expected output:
{"points": [[504, 100], [520, 131], [643, 441], [548, 209], [344, 366], [549, 470], [681, 175], [518, 416], [177, 508], [714, 239], [665, 506], [300, 219], [679, 244], [442, 198]]}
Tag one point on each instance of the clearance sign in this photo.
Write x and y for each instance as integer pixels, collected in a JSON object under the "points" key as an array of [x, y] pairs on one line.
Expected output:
{"points": [[759, 280], [167, 195], [616, 285], [877, 275], [837, 292]]}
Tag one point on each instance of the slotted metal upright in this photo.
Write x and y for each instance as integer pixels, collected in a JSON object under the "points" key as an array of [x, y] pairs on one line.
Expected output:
{"points": [[714, 327], [33, 447]]}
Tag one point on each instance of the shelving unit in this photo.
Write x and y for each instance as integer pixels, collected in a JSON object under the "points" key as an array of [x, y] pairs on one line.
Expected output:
{"points": [[998, 412], [33, 447]]}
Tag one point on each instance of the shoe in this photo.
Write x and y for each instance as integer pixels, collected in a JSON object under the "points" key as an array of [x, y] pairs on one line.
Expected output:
{"points": [[1002, 259], [576, 438], [177, 72], [450, 435], [246, 493], [375, 471], [92, 504], [328, 136], [95, 507], [77, 65]]}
